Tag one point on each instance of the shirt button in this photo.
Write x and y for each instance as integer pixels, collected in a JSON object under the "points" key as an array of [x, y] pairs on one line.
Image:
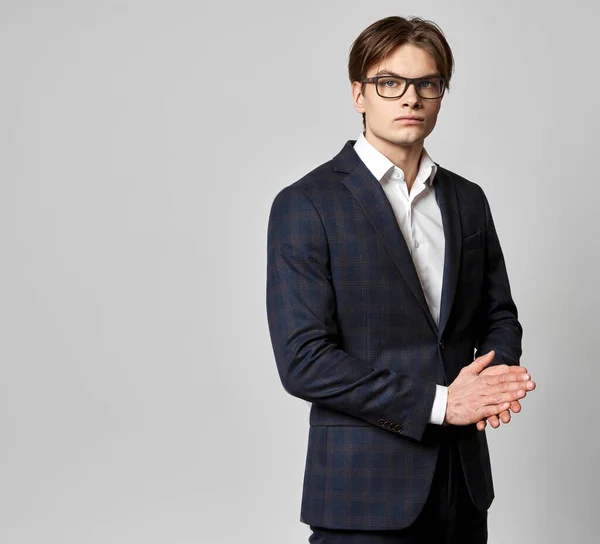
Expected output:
{"points": [[396, 174], [416, 244]]}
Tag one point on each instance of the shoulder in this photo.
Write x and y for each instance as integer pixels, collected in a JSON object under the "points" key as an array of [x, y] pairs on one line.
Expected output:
{"points": [[321, 183], [298, 209], [467, 191], [323, 177], [461, 183]]}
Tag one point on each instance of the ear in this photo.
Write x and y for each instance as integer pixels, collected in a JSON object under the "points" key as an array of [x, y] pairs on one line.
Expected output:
{"points": [[357, 96]]}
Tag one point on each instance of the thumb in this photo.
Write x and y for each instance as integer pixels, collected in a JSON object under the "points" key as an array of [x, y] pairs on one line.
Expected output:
{"points": [[480, 363]]}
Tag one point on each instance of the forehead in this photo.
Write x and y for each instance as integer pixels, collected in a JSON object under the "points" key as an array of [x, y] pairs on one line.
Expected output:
{"points": [[406, 60]]}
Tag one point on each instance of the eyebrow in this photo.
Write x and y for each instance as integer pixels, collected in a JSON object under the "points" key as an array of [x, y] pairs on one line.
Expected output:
{"points": [[394, 74]]}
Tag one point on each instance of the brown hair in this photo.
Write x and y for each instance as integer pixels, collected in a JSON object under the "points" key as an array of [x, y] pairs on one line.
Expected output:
{"points": [[379, 39]]}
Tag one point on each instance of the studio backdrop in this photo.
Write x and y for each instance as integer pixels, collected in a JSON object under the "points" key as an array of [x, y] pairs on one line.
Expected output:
{"points": [[141, 146]]}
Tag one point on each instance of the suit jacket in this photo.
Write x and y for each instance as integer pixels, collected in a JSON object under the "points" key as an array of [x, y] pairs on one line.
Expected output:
{"points": [[352, 334]]}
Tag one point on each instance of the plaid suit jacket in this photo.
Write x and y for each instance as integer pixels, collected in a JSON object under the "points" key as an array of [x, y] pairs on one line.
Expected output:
{"points": [[352, 334]]}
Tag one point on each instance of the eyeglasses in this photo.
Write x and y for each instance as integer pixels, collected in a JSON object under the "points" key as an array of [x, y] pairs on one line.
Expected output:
{"points": [[396, 86]]}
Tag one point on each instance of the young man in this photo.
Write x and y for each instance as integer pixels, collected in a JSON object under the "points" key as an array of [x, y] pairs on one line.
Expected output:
{"points": [[385, 275]]}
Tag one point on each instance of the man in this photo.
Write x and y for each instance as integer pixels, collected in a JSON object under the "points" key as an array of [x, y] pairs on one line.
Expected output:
{"points": [[385, 275]]}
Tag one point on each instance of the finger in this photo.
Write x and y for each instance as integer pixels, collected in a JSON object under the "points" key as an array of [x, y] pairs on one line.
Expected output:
{"points": [[493, 379], [507, 387], [481, 425], [504, 369], [480, 363], [494, 421], [515, 406], [504, 417], [500, 398], [492, 409]]}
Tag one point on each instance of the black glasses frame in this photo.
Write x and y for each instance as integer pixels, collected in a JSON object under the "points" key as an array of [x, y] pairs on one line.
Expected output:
{"points": [[408, 81]]}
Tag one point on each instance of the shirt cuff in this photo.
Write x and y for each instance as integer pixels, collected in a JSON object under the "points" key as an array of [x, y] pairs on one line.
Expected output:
{"points": [[438, 410]]}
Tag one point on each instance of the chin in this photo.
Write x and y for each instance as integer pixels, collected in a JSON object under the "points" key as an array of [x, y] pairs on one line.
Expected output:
{"points": [[404, 141], [402, 137]]}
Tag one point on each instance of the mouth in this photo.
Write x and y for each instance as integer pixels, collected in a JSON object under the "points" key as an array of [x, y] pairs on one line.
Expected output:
{"points": [[409, 120]]}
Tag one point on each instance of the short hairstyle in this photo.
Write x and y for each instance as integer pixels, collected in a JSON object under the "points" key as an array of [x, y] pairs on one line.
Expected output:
{"points": [[379, 39]]}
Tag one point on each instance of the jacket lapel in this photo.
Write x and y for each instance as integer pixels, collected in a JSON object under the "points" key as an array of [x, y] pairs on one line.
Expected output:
{"points": [[372, 199], [370, 195], [445, 192]]}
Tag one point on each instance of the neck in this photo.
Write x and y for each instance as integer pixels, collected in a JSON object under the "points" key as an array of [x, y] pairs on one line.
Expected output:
{"points": [[405, 157]]}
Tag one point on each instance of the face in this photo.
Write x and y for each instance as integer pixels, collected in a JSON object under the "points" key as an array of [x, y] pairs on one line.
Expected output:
{"points": [[383, 125]]}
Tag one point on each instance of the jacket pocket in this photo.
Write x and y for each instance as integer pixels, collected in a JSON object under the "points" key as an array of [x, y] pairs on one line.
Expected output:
{"points": [[471, 242]]}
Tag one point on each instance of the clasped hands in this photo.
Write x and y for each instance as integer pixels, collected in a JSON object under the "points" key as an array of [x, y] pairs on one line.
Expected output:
{"points": [[480, 395]]}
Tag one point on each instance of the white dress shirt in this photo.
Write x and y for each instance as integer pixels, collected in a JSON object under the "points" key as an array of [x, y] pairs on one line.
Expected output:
{"points": [[420, 220]]}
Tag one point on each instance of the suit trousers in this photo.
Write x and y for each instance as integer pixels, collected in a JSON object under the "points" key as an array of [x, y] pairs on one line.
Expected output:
{"points": [[448, 517]]}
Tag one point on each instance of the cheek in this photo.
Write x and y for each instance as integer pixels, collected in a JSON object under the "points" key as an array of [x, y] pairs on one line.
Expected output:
{"points": [[383, 113], [432, 117], [373, 115]]}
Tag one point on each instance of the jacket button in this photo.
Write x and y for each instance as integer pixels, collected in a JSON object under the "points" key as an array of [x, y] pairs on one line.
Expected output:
{"points": [[442, 344], [381, 422], [398, 428]]}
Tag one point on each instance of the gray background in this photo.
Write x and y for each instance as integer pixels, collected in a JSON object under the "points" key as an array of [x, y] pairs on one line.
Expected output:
{"points": [[141, 146]]}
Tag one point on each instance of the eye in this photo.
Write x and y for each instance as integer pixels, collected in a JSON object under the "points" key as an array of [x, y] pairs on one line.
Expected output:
{"points": [[391, 83], [431, 84]]}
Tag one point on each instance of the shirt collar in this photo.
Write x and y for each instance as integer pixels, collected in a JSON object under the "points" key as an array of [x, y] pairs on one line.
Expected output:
{"points": [[379, 165]]}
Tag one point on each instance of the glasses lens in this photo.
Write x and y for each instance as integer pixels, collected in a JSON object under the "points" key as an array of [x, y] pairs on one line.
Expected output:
{"points": [[390, 87], [430, 88]]}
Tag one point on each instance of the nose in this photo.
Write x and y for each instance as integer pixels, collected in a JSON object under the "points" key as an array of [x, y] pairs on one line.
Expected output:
{"points": [[410, 96]]}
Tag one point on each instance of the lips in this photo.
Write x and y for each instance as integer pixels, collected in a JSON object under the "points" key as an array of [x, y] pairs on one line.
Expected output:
{"points": [[409, 118]]}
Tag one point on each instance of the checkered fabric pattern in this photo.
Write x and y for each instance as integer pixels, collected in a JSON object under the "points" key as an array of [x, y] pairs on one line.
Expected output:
{"points": [[352, 334]]}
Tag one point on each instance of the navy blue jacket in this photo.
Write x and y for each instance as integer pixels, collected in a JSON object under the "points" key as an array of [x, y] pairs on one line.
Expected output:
{"points": [[352, 334]]}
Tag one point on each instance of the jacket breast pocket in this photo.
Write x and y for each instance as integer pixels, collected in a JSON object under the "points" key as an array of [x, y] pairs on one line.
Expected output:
{"points": [[472, 242]]}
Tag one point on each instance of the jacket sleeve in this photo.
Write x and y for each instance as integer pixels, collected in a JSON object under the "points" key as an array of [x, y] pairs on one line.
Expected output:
{"points": [[301, 313], [499, 328]]}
